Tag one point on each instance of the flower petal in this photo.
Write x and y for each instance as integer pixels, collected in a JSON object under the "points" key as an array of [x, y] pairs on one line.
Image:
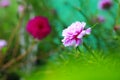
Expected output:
{"points": [[78, 42], [88, 31], [68, 42], [83, 24], [81, 34]]}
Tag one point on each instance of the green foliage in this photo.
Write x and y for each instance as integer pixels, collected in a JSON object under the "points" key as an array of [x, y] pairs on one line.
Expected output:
{"points": [[62, 63], [77, 66]]}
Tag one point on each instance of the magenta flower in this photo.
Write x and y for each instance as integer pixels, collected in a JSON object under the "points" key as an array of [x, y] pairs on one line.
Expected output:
{"points": [[38, 27], [105, 4], [20, 9], [74, 33], [4, 3], [2, 44]]}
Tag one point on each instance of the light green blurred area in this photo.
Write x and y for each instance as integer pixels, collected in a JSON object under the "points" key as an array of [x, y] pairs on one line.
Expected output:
{"points": [[79, 68], [77, 72], [8, 19]]}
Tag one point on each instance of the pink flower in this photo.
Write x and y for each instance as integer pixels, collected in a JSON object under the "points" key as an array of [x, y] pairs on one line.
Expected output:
{"points": [[4, 3], [98, 19], [2, 44], [105, 4], [38, 27], [74, 33], [21, 9]]}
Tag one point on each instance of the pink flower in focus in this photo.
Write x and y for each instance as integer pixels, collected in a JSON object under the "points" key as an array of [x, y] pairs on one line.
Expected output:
{"points": [[38, 27], [74, 33], [4, 3], [105, 4], [2, 44], [21, 9]]}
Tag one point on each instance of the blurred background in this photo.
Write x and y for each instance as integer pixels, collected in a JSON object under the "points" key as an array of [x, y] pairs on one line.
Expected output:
{"points": [[48, 59]]}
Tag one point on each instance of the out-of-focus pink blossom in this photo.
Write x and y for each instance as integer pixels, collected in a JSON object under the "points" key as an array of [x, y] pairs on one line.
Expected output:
{"points": [[4, 3], [98, 19], [21, 9], [74, 33], [105, 4], [2, 44], [38, 27]]}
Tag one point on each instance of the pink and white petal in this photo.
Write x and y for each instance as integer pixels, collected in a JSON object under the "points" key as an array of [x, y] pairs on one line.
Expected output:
{"points": [[66, 32], [88, 31], [72, 43], [2, 44], [78, 42], [69, 43], [77, 23], [83, 24], [81, 34]]}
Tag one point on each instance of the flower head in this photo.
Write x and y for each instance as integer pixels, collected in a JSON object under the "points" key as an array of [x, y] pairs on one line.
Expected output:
{"points": [[4, 3], [98, 19], [2, 44], [74, 33], [20, 9], [105, 4], [38, 27]]}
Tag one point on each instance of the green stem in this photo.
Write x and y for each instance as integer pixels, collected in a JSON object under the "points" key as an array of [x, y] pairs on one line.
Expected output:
{"points": [[113, 16], [20, 57], [118, 13], [74, 7], [94, 25], [83, 13], [77, 49], [89, 50], [78, 52]]}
